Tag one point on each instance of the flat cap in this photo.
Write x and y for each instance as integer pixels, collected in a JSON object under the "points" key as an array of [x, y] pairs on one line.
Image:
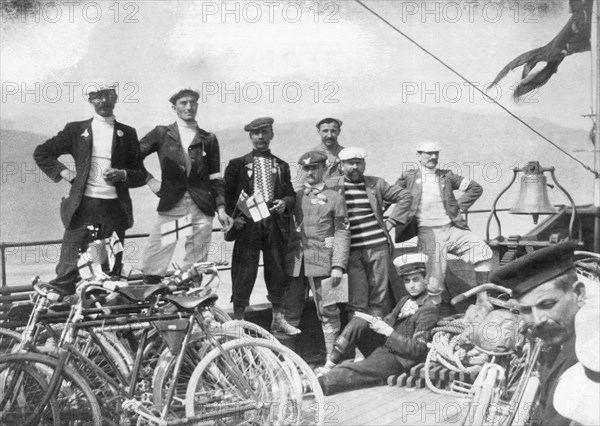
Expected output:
{"points": [[186, 91], [428, 146], [351, 153], [410, 263], [99, 85], [312, 158], [329, 120], [258, 123], [534, 269]]}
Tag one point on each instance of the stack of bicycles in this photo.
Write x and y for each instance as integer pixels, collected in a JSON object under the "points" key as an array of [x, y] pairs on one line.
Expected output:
{"points": [[159, 354]]}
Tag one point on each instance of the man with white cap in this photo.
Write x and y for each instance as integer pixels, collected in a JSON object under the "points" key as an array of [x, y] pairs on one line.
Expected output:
{"points": [[392, 345], [548, 296], [107, 164], [192, 185], [436, 218], [367, 198]]}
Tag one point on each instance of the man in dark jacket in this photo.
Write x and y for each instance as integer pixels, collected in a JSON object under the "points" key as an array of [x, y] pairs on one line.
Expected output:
{"points": [[260, 171], [191, 186], [107, 164], [392, 345], [436, 217]]}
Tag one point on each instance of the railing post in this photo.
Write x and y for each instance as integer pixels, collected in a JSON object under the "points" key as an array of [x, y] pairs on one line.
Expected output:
{"points": [[3, 255]]}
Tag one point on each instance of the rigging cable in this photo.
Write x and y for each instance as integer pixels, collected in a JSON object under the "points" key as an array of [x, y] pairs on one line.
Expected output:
{"points": [[595, 173]]}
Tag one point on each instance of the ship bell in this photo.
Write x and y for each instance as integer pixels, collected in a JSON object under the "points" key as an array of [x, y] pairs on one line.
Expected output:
{"points": [[533, 195]]}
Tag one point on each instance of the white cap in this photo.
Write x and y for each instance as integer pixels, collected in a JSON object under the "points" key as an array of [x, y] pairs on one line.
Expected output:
{"points": [[428, 146], [353, 152], [100, 84], [411, 262]]}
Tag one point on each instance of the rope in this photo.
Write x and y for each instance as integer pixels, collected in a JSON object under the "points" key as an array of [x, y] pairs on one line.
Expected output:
{"points": [[509, 112]]}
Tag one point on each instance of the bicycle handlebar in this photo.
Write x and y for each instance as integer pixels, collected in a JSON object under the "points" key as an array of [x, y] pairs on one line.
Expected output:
{"points": [[479, 289]]}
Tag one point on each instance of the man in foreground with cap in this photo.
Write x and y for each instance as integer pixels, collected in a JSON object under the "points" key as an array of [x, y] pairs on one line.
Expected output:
{"points": [[318, 249], [371, 246], [436, 218], [190, 164], [548, 296], [259, 172], [329, 129], [107, 164], [392, 345]]}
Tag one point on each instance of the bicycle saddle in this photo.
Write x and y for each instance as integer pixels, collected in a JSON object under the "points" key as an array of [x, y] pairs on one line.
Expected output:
{"points": [[142, 292], [188, 303]]}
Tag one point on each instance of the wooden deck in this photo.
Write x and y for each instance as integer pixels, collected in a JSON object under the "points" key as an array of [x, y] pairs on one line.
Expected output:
{"points": [[391, 405]]}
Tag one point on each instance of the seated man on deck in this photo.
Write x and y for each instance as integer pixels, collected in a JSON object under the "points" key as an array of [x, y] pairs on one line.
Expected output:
{"points": [[392, 345]]}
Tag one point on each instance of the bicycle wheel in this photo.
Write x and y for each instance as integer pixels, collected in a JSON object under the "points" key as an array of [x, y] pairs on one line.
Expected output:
{"points": [[198, 346], [482, 409], [24, 384], [8, 340], [254, 382]]}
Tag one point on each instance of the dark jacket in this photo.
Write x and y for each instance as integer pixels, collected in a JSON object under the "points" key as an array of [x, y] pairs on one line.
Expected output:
{"points": [[204, 182], [411, 334], [449, 182], [381, 195], [76, 139], [239, 177]]}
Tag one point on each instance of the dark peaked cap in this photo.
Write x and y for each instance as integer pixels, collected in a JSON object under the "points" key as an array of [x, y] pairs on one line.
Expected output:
{"points": [[534, 269], [259, 123]]}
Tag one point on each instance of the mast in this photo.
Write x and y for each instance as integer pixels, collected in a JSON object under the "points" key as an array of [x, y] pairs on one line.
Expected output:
{"points": [[595, 48]]}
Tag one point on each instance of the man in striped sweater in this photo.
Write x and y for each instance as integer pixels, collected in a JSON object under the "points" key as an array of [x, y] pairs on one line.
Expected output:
{"points": [[370, 245]]}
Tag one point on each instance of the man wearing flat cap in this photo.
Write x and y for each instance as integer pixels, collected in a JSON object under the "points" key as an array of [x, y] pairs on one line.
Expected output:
{"points": [[391, 345], [329, 129], [259, 172], [318, 248], [367, 198], [191, 186], [548, 296], [107, 164], [436, 217]]}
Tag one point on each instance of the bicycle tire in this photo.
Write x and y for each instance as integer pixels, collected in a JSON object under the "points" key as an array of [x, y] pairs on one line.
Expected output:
{"points": [[72, 403], [9, 339], [527, 403], [480, 408], [283, 388]]}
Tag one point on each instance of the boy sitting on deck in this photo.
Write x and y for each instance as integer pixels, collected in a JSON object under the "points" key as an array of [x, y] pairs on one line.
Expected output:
{"points": [[392, 345]]}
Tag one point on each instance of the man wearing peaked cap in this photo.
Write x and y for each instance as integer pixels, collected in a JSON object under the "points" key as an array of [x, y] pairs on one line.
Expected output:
{"points": [[191, 186], [107, 164], [319, 247], [436, 218], [391, 345], [329, 129], [259, 172], [367, 197], [548, 295]]}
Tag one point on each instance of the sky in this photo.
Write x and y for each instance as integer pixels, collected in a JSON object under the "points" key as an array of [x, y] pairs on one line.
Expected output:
{"points": [[289, 60]]}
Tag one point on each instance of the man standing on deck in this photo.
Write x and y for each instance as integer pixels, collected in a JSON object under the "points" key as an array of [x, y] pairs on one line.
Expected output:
{"points": [[190, 165], [259, 172], [329, 129], [107, 164], [548, 295], [370, 245], [436, 218]]}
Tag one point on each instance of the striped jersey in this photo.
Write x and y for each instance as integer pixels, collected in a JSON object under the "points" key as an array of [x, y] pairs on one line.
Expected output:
{"points": [[364, 229]]}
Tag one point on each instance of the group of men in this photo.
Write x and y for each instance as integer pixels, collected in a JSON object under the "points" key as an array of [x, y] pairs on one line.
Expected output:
{"points": [[327, 229]]}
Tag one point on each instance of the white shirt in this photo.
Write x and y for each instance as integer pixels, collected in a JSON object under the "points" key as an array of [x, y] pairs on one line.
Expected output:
{"points": [[431, 211], [103, 129], [187, 133]]}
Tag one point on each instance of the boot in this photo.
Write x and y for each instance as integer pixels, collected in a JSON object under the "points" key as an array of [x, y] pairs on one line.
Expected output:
{"points": [[281, 325], [238, 312]]}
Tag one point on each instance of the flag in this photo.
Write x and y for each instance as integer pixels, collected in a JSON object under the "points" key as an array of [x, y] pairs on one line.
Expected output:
{"points": [[257, 207], [573, 38], [113, 247], [241, 204], [90, 262], [171, 231]]}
